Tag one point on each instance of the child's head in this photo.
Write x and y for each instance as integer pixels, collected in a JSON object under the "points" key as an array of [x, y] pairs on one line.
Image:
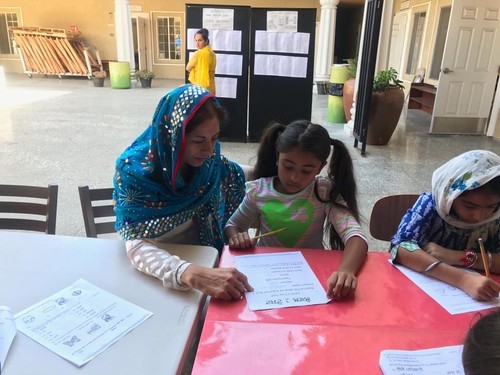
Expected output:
{"points": [[481, 355], [466, 189], [297, 152], [301, 151]]}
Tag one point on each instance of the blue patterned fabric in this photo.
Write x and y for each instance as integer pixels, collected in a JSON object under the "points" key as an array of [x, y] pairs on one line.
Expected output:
{"points": [[151, 196], [432, 219], [422, 225]]}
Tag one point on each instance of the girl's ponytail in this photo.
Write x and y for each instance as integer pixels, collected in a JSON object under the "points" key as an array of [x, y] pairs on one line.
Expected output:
{"points": [[267, 156], [341, 171], [343, 188]]}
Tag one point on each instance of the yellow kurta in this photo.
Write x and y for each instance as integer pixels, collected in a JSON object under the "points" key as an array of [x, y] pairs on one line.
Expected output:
{"points": [[203, 72]]}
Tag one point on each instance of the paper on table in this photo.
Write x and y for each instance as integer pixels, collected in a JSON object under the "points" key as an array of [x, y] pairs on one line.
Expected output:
{"points": [[7, 333], [280, 280], [445, 360], [80, 321], [452, 299]]}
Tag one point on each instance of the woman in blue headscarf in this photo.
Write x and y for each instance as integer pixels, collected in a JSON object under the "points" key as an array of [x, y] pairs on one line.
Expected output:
{"points": [[172, 185]]}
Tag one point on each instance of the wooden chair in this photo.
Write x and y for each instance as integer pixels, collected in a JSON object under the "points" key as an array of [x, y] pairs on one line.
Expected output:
{"points": [[387, 213], [31, 208], [98, 218]]}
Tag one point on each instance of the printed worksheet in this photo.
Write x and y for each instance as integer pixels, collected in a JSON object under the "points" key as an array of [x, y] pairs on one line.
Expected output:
{"points": [[7, 333], [280, 280], [445, 360], [453, 300], [80, 321]]}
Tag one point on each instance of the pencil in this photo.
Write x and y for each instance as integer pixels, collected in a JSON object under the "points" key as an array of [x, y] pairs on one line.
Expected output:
{"points": [[483, 255], [268, 233]]}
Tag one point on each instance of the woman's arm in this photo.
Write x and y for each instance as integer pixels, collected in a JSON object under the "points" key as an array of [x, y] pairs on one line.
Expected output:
{"points": [[150, 259], [224, 283], [477, 286]]}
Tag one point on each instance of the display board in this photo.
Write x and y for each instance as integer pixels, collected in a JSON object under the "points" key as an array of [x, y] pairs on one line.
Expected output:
{"points": [[281, 67], [229, 28]]}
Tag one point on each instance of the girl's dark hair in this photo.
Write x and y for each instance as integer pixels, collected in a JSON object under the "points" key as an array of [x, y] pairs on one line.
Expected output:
{"points": [[207, 110], [481, 354], [315, 139], [204, 34]]}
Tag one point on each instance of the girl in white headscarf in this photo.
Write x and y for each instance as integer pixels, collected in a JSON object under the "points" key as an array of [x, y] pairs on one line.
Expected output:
{"points": [[443, 227]]}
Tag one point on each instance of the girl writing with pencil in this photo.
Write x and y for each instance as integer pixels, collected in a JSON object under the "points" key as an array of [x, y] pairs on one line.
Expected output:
{"points": [[288, 193], [445, 227]]}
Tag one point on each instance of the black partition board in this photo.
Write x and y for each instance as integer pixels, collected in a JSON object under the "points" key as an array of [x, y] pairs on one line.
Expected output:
{"points": [[235, 128], [282, 99]]}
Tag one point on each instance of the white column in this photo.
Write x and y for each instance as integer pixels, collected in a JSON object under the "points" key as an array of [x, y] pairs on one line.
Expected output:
{"points": [[123, 31], [384, 40], [326, 40]]}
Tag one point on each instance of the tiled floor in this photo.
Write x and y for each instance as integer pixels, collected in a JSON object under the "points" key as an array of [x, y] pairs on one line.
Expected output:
{"points": [[68, 132]]}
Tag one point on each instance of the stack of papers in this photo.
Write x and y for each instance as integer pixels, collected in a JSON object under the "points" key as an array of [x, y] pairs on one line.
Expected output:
{"points": [[446, 360], [80, 321]]}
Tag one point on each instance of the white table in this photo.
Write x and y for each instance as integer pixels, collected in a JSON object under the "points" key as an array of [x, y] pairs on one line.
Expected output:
{"points": [[35, 266]]}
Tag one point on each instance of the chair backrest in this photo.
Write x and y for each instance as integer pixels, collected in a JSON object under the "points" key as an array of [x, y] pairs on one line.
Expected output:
{"points": [[32, 208], [387, 213], [97, 208]]}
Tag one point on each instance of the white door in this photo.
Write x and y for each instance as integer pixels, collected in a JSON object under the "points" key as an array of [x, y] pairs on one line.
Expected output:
{"points": [[469, 68], [399, 23]]}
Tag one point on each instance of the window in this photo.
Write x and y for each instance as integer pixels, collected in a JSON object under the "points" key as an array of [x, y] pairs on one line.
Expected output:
{"points": [[7, 43], [169, 38], [444, 20], [416, 41]]}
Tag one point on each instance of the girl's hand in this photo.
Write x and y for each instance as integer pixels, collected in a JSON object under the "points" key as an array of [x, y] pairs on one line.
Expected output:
{"points": [[443, 254], [479, 287], [223, 283], [341, 284], [240, 241]]}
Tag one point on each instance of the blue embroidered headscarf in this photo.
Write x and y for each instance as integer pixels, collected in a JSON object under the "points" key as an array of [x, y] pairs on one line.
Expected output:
{"points": [[152, 197]]}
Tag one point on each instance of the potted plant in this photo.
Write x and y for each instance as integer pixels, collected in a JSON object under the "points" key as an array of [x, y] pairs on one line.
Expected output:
{"points": [[98, 78], [145, 76], [386, 107], [348, 89]]}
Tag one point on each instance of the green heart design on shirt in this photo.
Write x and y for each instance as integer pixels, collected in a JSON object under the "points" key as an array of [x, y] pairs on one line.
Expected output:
{"points": [[296, 219]]}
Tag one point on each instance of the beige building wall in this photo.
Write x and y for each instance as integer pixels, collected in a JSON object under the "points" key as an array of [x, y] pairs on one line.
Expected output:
{"points": [[95, 19]]}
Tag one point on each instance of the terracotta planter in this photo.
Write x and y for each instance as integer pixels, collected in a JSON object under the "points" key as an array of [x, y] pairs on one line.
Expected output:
{"points": [[348, 96], [385, 111]]}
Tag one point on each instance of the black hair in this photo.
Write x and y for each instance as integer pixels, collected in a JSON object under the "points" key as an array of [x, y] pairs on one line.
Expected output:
{"points": [[204, 34], [481, 354], [207, 110], [315, 139]]}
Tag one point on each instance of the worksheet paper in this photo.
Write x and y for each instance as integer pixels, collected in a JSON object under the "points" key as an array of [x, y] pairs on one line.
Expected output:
{"points": [[280, 280], [7, 333], [453, 300], [80, 321], [446, 360]]}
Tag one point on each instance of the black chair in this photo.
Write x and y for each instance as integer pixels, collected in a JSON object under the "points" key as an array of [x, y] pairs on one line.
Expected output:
{"points": [[98, 218], [387, 213], [30, 208]]}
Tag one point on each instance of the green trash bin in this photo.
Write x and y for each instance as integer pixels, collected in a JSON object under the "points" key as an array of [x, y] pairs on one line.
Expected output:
{"points": [[119, 75], [338, 76]]}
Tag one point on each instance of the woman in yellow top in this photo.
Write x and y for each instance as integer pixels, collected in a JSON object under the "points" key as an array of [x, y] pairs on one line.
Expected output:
{"points": [[201, 66]]}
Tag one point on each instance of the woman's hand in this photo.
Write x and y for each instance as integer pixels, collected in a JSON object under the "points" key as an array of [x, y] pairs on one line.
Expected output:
{"points": [[341, 284], [479, 287], [451, 257], [223, 283], [240, 241]]}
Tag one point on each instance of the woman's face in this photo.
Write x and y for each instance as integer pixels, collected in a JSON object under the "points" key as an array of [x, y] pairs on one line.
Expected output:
{"points": [[200, 143], [476, 207], [198, 41], [296, 170]]}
